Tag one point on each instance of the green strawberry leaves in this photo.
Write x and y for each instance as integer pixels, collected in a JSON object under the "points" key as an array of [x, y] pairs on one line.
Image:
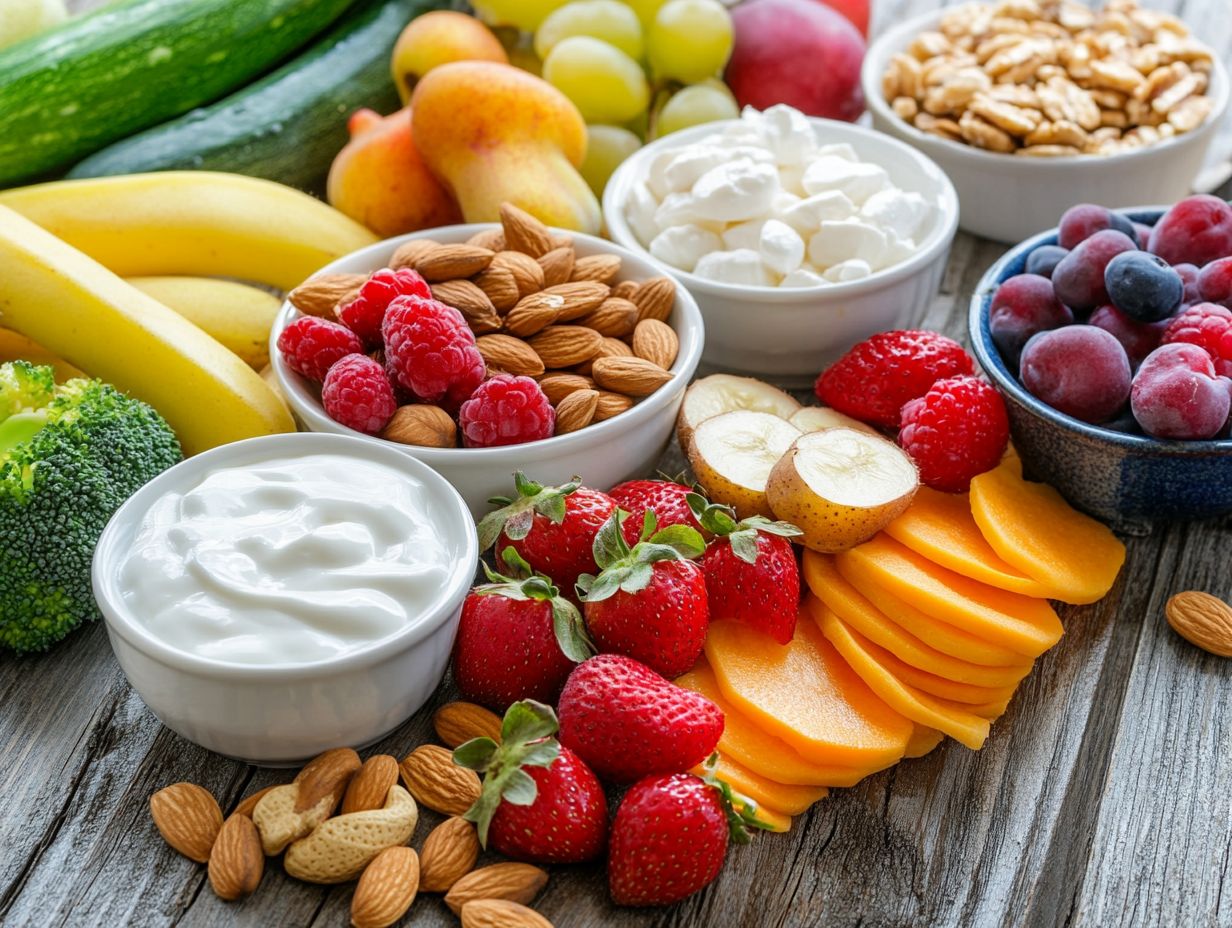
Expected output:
{"points": [[631, 570], [524, 584], [721, 521], [516, 515], [740, 821]]}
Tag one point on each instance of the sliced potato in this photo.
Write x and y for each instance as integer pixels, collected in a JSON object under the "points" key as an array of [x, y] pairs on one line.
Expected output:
{"points": [[720, 393], [815, 418], [733, 453], [841, 487]]}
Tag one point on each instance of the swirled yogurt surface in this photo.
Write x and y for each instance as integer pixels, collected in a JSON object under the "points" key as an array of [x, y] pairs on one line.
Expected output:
{"points": [[287, 561]]}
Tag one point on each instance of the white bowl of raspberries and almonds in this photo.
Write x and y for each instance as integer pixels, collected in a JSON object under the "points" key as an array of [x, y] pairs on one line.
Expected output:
{"points": [[614, 396]]}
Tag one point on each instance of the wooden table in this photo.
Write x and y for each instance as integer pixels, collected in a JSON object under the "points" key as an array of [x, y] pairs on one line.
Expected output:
{"points": [[1101, 798]]}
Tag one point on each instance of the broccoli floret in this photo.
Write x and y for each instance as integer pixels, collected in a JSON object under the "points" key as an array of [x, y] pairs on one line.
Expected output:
{"points": [[66, 465]]}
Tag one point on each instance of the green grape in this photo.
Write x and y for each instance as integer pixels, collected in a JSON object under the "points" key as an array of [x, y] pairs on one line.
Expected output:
{"points": [[609, 20], [706, 102], [645, 9], [524, 14], [603, 82], [690, 40], [606, 148]]}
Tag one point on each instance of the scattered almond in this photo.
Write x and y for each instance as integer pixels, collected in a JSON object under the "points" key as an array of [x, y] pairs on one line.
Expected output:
{"points": [[611, 404], [557, 266], [449, 853], [500, 287], [655, 298], [615, 317], [188, 818], [492, 239], [534, 313], [409, 253], [657, 342], [566, 345], [337, 850], [437, 782], [386, 889], [247, 805], [500, 913], [556, 386], [527, 273], [576, 411], [523, 232], [511, 881], [601, 268], [370, 786], [423, 425], [1203, 620], [630, 376], [459, 722], [236, 862], [509, 354], [321, 296], [581, 298], [471, 301]]}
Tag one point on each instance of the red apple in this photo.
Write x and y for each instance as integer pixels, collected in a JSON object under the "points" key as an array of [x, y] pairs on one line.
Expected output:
{"points": [[798, 52], [855, 10]]}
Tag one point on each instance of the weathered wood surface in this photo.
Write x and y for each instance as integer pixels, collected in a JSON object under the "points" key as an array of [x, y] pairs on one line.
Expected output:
{"points": [[1100, 799]]}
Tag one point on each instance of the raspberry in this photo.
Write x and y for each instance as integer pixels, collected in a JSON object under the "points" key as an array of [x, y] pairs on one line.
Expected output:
{"points": [[430, 350], [358, 394], [1208, 326], [363, 314], [873, 380], [506, 410], [955, 431], [311, 346]]}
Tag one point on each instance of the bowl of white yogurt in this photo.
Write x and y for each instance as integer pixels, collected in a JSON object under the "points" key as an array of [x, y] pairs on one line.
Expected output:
{"points": [[797, 236], [276, 597]]}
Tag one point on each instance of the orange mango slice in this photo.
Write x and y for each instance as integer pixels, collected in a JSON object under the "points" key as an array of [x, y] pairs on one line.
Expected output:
{"points": [[781, 797], [806, 694], [1020, 623], [828, 586], [923, 740], [952, 718], [774, 821], [940, 527], [1033, 528]]}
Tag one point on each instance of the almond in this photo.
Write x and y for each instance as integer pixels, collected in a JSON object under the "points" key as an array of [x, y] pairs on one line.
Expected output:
{"points": [[236, 862], [562, 241], [566, 345], [188, 818], [449, 853], [509, 354], [459, 722], [326, 774], [534, 313], [625, 289], [557, 266], [492, 238], [615, 348], [556, 386], [657, 342], [409, 253], [576, 411], [611, 404], [321, 296], [523, 232], [1203, 620], [500, 913], [370, 785], [601, 268], [247, 805], [437, 782], [527, 273], [500, 287], [471, 301], [386, 888], [581, 298], [423, 425], [614, 317], [630, 376], [514, 882], [655, 298], [448, 262]]}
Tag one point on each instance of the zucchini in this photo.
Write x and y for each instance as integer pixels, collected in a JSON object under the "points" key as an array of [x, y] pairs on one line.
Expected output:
{"points": [[289, 125], [133, 64]]}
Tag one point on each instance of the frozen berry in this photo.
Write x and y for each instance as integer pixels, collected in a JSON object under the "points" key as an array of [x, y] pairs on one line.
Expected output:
{"points": [[873, 380], [1142, 234], [363, 314], [310, 346], [1189, 277], [430, 350], [955, 431], [1043, 260], [1079, 370], [1023, 305], [1215, 282], [1143, 286], [358, 394], [1197, 230], [1208, 326], [1177, 394], [1080, 222], [506, 410], [1137, 338], [1079, 277]]}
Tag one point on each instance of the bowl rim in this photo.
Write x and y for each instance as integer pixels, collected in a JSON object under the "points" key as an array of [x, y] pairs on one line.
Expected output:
{"points": [[307, 407], [993, 365], [894, 39], [935, 243], [118, 616]]}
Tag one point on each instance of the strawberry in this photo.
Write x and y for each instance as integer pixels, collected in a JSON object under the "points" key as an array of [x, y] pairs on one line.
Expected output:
{"points": [[648, 603], [517, 638], [552, 528], [539, 802], [628, 722], [668, 499], [751, 570]]}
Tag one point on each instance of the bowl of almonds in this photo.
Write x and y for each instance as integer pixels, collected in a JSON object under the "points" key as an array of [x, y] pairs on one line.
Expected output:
{"points": [[484, 349], [1031, 106]]}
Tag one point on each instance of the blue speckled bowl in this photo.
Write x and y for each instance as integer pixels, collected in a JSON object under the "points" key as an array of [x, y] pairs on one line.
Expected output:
{"points": [[1120, 478]]}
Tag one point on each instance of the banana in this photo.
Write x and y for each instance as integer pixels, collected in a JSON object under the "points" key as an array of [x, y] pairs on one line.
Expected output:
{"points": [[16, 347], [237, 315], [193, 223], [721, 393], [81, 311], [733, 453]]}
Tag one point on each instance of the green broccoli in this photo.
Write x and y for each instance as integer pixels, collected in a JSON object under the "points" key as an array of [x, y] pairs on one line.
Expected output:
{"points": [[69, 456]]}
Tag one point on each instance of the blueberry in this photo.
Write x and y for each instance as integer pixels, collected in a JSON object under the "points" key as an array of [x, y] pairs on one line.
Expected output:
{"points": [[1143, 286], [1044, 259], [1122, 224]]}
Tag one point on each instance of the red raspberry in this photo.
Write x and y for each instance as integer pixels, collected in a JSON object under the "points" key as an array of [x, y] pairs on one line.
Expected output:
{"points": [[310, 346], [506, 410], [955, 431], [430, 350], [365, 312], [873, 380], [358, 394], [1209, 326]]}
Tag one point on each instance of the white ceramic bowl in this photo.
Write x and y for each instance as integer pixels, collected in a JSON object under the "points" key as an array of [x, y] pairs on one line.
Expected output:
{"points": [[1009, 198], [788, 335], [604, 453], [286, 713]]}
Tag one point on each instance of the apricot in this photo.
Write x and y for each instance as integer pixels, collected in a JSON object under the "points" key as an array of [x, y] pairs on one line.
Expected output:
{"points": [[923, 740], [781, 797], [436, 38], [979, 698], [1033, 528]]}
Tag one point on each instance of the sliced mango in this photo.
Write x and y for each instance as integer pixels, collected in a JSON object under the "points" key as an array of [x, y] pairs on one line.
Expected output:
{"points": [[781, 797], [978, 697], [1033, 528], [923, 740], [805, 693], [940, 527], [1020, 623], [774, 821]]}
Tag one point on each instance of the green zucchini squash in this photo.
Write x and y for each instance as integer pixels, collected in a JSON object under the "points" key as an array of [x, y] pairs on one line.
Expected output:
{"points": [[289, 125], [133, 64]]}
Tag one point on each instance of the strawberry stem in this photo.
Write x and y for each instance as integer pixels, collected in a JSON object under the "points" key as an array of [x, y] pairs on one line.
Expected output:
{"points": [[523, 584], [721, 522], [740, 821], [516, 515], [631, 570]]}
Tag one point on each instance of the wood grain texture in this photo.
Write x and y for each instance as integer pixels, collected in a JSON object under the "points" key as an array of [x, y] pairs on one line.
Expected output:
{"points": [[1100, 799]]}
